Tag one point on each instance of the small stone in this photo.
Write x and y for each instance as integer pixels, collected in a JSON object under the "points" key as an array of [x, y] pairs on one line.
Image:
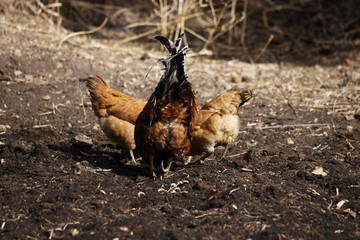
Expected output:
{"points": [[17, 52], [69, 72], [74, 232], [111, 65], [235, 78], [17, 73], [349, 129], [124, 229], [319, 171], [349, 61], [87, 104], [46, 97], [29, 77], [59, 65], [82, 140], [2, 128], [290, 141]]}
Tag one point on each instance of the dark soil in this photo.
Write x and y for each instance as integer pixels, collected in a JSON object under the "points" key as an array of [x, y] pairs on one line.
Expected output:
{"points": [[62, 179]]}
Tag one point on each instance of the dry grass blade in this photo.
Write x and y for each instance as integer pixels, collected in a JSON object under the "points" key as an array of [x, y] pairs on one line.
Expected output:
{"points": [[265, 47], [287, 100], [216, 24], [133, 38], [243, 28], [47, 8], [294, 126], [208, 21], [276, 8], [84, 32]]}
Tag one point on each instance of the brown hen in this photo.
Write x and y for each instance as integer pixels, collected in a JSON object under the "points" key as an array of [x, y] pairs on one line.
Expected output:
{"points": [[218, 123], [117, 112]]}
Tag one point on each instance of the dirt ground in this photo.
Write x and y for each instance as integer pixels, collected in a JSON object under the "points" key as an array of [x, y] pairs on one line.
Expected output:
{"points": [[62, 179]]}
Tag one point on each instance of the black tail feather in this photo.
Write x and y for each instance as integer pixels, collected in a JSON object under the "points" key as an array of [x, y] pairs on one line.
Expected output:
{"points": [[174, 72], [171, 47]]}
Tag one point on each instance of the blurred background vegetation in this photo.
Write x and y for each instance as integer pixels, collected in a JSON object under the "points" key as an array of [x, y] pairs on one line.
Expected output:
{"points": [[253, 30]]}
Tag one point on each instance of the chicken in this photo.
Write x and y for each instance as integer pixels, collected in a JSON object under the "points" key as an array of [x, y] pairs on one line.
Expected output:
{"points": [[117, 112], [163, 130], [218, 123]]}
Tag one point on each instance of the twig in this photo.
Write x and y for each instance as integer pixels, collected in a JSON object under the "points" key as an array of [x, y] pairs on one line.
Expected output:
{"points": [[3, 225], [51, 233], [56, 107], [265, 47], [84, 32], [277, 8], [243, 29], [335, 42], [182, 8], [129, 39], [46, 113], [195, 34], [233, 24], [210, 38], [143, 24], [236, 155], [47, 10], [101, 170], [293, 125], [233, 18], [82, 101], [206, 214], [42, 126], [287, 100]]}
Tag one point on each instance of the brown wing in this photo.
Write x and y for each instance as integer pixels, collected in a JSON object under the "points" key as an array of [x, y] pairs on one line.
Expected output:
{"points": [[107, 101], [203, 115], [127, 109]]}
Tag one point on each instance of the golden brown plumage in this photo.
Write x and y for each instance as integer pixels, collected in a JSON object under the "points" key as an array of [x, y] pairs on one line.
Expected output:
{"points": [[117, 112], [218, 122], [163, 130]]}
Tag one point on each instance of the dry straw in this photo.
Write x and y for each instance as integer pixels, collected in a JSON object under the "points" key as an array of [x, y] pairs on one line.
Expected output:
{"points": [[253, 29]]}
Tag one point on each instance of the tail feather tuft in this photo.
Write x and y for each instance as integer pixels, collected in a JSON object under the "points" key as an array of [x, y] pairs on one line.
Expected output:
{"points": [[171, 47], [174, 72]]}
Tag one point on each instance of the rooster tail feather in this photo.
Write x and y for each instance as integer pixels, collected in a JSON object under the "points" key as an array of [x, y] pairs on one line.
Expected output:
{"points": [[174, 72], [171, 47]]}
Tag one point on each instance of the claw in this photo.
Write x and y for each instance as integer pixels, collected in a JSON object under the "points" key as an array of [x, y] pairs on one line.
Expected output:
{"points": [[165, 170], [188, 160], [152, 168], [134, 161], [152, 174]]}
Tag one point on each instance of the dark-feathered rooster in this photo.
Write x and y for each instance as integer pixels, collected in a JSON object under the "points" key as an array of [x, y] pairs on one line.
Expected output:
{"points": [[164, 129]]}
